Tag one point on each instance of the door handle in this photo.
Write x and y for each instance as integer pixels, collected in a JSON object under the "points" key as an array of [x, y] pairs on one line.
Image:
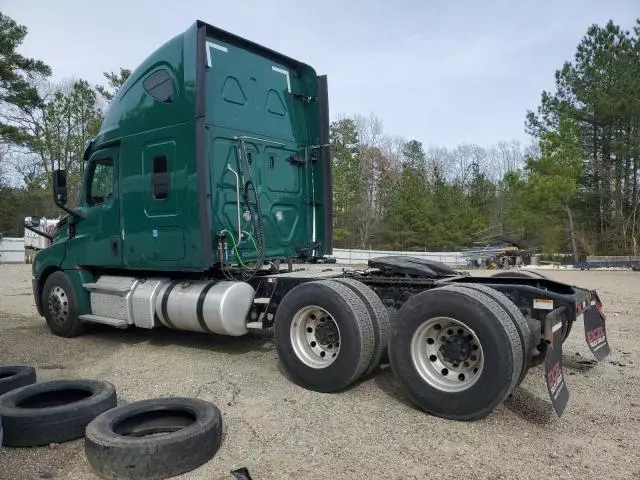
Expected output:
{"points": [[114, 246]]}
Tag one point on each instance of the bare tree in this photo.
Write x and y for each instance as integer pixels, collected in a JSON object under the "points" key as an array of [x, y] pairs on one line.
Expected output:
{"points": [[507, 156], [467, 159], [370, 138], [4, 153]]}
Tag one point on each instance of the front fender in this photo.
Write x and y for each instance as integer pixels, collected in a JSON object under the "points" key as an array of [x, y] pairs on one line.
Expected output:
{"points": [[49, 259], [77, 277], [45, 262]]}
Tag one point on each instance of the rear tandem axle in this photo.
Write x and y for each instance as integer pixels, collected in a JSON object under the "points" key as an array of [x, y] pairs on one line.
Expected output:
{"points": [[493, 328]]}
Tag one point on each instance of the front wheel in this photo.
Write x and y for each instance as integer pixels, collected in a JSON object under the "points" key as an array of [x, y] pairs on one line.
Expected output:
{"points": [[60, 306], [324, 335]]}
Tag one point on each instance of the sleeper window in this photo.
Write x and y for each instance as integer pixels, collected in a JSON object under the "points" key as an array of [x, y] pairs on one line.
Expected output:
{"points": [[160, 178], [159, 86]]}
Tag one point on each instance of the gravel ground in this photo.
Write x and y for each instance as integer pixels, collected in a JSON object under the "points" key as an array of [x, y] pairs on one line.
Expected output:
{"points": [[278, 430]]}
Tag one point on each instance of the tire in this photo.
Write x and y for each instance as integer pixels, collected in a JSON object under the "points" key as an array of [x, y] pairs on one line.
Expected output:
{"points": [[527, 339], [53, 412], [12, 377], [121, 443], [566, 327], [457, 314], [316, 303], [60, 306], [379, 315]]}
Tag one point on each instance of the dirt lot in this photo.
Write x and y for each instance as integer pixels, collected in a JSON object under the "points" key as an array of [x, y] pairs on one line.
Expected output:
{"points": [[279, 430]]}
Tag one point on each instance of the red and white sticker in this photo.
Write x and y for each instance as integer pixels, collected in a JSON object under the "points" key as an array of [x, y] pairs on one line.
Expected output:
{"points": [[542, 304]]}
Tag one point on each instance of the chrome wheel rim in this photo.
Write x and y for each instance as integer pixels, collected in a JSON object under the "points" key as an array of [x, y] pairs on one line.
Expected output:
{"points": [[58, 305], [315, 337], [447, 354]]}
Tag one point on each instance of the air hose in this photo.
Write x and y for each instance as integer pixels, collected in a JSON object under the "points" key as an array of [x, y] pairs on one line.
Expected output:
{"points": [[255, 212], [256, 222]]}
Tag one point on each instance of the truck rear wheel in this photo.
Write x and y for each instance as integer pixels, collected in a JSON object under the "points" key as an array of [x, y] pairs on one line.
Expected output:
{"points": [[379, 315], [527, 339], [456, 352], [324, 335], [60, 306]]}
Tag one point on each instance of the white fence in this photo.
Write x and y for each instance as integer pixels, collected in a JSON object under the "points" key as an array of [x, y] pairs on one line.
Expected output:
{"points": [[361, 257], [11, 250], [609, 258]]}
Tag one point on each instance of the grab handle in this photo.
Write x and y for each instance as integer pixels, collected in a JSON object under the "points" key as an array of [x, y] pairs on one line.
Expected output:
{"points": [[237, 200]]}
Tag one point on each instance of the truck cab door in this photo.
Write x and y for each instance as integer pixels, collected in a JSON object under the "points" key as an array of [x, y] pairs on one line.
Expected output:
{"points": [[97, 240]]}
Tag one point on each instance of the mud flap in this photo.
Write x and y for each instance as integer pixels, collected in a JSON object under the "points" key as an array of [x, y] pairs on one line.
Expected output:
{"points": [[553, 362], [594, 329]]}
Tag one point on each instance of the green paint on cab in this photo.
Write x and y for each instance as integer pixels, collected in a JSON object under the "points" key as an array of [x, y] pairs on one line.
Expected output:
{"points": [[207, 131]]}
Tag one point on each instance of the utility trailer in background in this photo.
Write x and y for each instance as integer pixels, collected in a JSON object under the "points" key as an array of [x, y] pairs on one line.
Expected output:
{"points": [[211, 176], [37, 235]]}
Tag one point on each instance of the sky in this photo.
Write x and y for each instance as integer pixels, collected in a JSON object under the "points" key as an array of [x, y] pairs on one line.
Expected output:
{"points": [[444, 73]]}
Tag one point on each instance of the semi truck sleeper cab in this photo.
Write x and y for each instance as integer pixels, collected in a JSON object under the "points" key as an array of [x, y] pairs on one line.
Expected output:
{"points": [[210, 175]]}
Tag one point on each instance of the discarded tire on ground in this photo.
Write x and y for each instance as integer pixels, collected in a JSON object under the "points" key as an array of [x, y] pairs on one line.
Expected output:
{"points": [[153, 439], [527, 339], [15, 376], [324, 335], [456, 352], [379, 315], [53, 412]]}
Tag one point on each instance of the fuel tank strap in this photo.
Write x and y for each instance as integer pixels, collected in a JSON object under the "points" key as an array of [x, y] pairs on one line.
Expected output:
{"points": [[199, 309], [165, 299]]}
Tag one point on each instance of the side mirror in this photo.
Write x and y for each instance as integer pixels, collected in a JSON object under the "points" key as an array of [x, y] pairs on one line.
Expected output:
{"points": [[60, 187]]}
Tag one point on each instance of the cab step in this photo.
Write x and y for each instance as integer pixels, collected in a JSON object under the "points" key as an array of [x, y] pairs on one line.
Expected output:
{"points": [[113, 322], [108, 289]]}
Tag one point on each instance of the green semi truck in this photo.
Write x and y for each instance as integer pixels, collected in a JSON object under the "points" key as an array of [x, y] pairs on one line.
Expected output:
{"points": [[211, 176]]}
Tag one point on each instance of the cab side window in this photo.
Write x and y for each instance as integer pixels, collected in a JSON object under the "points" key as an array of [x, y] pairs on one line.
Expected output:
{"points": [[100, 185], [160, 178]]}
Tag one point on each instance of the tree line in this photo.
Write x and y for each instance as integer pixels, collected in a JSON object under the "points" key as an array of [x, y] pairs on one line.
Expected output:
{"points": [[574, 188], [44, 125]]}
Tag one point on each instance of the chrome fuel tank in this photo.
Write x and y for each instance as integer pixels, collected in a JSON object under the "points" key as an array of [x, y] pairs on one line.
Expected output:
{"points": [[205, 306]]}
